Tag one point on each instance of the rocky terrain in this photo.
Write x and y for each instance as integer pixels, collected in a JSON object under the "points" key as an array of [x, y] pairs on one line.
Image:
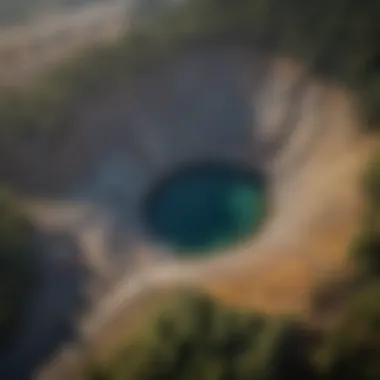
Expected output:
{"points": [[30, 49], [210, 103]]}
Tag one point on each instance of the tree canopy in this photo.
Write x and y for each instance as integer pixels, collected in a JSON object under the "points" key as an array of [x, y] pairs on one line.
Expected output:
{"points": [[16, 269], [195, 337]]}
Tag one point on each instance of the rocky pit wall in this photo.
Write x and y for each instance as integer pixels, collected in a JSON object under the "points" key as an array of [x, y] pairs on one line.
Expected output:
{"points": [[211, 103]]}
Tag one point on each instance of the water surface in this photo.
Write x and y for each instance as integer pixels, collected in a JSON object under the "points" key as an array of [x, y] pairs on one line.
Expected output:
{"points": [[206, 207]]}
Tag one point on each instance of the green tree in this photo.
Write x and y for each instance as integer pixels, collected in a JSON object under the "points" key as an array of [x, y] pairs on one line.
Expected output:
{"points": [[195, 338], [366, 246], [15, 263], [352, 350]]}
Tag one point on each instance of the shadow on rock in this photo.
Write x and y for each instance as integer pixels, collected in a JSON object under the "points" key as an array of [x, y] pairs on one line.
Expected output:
{"points": [[53, 311]]}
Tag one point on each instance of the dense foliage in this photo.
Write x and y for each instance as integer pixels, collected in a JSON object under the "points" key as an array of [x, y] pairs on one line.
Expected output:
{"points": [[352, 349], [366, 247], [16, 270], [194, 337]]}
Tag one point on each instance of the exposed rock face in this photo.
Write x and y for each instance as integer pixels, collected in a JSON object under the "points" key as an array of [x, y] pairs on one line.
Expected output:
{"points": [[209, 104], [215, 103], [28, 50]]}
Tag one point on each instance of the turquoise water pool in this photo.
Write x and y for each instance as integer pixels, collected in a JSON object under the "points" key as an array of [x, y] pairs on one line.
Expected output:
{"points": [[206, 207]]}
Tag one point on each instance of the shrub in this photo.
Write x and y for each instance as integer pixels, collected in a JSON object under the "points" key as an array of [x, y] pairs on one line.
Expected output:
{"points": [[366, 246], [366, 253], [15, 263], [372, 185], [194, 337], [352, 349]]}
